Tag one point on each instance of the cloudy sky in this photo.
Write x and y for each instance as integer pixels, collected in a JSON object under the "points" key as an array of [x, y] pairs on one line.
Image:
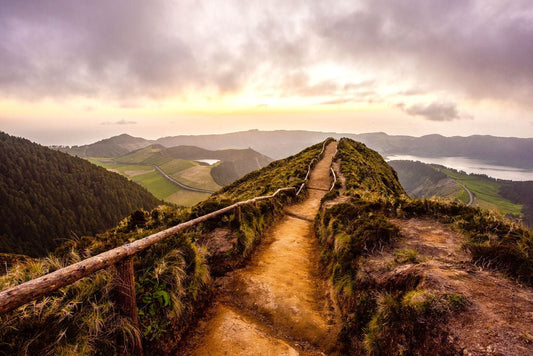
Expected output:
{"points": [[73, 71]]}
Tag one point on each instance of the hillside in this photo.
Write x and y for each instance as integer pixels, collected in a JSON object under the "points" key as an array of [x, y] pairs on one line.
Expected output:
{"points": [[421, 276], [234, 163], [48, 196], [422, 180]]}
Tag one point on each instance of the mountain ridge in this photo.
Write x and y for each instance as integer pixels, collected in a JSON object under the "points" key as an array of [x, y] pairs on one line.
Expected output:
{"points": [[506, 151]]}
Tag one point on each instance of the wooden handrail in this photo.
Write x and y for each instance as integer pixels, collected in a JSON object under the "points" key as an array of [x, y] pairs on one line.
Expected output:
{"points": [[21, 294], [319, 156], [334, 179]]}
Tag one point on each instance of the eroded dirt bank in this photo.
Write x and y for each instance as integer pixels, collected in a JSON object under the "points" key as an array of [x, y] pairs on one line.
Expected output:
{"points": [[499, 317], [278, 304]]}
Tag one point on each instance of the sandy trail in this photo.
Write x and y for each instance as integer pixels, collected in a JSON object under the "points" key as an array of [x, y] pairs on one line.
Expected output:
{"points": [[277, 305]]}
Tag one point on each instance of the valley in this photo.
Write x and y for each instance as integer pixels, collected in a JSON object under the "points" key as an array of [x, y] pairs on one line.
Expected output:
{"points": [[422, 180], [182, 175]]}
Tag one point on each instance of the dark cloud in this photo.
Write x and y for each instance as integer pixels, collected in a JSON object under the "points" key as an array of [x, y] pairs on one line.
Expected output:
{"points": [[437, 111], [136, 48], [119, 122]]}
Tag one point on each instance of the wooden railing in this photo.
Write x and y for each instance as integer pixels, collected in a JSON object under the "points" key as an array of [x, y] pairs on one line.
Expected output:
{"points": [[121, 258], [334, 179]]}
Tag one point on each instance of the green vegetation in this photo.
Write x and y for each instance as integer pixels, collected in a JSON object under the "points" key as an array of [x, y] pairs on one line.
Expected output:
{"points": [[520, 192], [366, 171], [407, 255], [288, 172], [46, 196], [173, 277], [178, 162], [111, 147], [156, 183], [198, 176], [485, 189], [394, 312], [421, 180]]}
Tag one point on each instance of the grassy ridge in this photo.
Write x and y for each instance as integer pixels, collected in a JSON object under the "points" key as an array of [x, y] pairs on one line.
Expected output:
{"points": [[288, 172], [397, 313]]}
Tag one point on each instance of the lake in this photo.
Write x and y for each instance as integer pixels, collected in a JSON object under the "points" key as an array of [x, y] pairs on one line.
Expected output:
{"points": [[208, 161], [471, 166]]}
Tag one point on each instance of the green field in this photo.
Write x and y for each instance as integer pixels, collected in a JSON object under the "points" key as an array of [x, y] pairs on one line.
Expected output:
{"points": [[486, 192], [194, 175]]}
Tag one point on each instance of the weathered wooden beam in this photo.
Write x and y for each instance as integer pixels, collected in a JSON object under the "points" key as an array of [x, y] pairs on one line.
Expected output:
{"points": [[124, 284]]}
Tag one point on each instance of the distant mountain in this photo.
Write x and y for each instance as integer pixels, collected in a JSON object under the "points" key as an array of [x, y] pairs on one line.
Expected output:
{"points": [[508, 151], [47, 195], [275, 144], [505, 151], [111, 147]]}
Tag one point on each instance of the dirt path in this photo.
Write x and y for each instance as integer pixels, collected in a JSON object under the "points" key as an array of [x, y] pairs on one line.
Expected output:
{"points": [[499, 320], [277, 305]]}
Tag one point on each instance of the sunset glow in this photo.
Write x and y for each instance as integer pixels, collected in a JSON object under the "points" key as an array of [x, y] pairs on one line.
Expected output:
{"points": [[101, 68]]}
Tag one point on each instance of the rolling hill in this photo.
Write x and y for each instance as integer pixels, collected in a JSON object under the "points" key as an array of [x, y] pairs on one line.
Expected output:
{"points": [[47, 196], [193, 178], [110, 147]]}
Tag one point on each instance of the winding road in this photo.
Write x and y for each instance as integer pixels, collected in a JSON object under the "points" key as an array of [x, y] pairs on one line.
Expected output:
{"points": [[181, 185], [470, 195], [172, 180]]}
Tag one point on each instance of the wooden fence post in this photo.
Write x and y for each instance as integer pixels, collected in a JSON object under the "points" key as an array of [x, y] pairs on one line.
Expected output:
{"points": [[126, 303], [238, 214]]}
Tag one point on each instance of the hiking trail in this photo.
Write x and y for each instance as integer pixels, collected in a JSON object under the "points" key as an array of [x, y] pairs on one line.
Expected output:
{"points": [[278, 304]]}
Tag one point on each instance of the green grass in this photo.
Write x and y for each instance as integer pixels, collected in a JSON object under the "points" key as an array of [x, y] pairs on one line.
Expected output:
{"points": [[186, 198], [139, 155], [176, 165], [463, 196], [486, 191], [156, 184], [198, 176]]}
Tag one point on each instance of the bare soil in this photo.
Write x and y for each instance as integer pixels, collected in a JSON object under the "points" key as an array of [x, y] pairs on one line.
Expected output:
{"points": [[278, 304], [499, 317]]}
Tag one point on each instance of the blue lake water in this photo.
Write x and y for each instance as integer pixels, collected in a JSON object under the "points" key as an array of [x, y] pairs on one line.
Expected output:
{"points": [[471, 166]]}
